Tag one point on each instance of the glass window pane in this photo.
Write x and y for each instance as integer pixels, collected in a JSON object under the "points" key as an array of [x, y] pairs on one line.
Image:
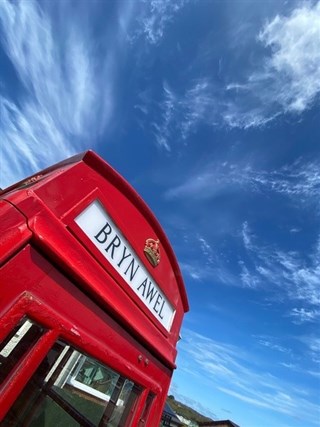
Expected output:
{"points": [[127, 402], [16, 344], [94, 375], [69, 384]]}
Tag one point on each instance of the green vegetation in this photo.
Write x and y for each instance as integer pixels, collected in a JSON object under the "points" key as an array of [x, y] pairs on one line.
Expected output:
{"points": [[185, 411]]}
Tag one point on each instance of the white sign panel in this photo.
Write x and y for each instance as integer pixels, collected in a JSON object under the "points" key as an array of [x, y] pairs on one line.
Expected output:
{"points": [[106, 236]]}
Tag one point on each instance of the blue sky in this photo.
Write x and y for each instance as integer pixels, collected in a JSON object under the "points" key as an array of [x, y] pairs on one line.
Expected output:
{"points": [[210, 109]]}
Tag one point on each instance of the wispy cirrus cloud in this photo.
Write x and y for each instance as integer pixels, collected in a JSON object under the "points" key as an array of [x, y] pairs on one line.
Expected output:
{"points": [[212, 180], [67, 89], [313, 348], [303, 315], [295, 58], [261, 264], [288, 80], [162, 132], [155, 16], [180, 114], [232, 371], [207, 272], [297, 181], [289, 271], [269, 343], [285, 81], [205, 264]]}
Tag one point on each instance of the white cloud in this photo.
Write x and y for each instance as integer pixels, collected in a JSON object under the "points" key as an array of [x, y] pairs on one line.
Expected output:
{"points": [[296, 274], [206, 249], [289, 81], [233, 371], [299, 181], [182, 113], [290, 78], [207, 271], [246, 235], [212, 180], [288, 365], [313, 348], [248, 279], [285, 81], [273, 346], [30, 140], [67, 92], [155, 16], [303, 315], [296, 368], [192, 271], [289, 271], [295, 58], [162, 133]]}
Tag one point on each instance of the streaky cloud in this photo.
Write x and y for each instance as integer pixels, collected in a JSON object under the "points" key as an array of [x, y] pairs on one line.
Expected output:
{"points": [[296, 57], [289, 81], [303, 315], [232, 371], [155, 16], [68, 95], [288, 273], [285, 81], [297, 181]]}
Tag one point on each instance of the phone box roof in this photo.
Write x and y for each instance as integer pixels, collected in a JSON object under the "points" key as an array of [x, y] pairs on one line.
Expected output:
{"points": [[66, 207]]}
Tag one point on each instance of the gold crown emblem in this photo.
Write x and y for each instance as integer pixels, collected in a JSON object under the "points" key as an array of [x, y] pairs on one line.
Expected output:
{"points": [[152, 251]]}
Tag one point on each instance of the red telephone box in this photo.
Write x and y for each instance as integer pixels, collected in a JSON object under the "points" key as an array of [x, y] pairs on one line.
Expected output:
{"points": [[91, 301]]}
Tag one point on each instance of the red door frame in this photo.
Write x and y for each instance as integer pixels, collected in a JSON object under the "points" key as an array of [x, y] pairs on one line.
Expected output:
{"points": [[43, 294]]}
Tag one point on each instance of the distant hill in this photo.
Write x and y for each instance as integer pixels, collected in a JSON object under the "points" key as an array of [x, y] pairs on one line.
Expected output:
{"points": [[185, 411]]}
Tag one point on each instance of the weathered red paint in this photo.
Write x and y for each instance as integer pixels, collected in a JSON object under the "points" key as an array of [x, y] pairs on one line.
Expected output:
{"points": [[51, 272]]}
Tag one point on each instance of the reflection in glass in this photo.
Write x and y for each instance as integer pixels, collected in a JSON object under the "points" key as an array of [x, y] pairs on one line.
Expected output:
{"points": [[17, 344], [93, 377], [71, 389]]}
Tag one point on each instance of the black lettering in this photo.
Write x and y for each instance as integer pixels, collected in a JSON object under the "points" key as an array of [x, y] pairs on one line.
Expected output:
{"points": [[143, 284], [115, 243], [159, 298], [105, 231], [160, 312], [151, 292], [132, 273], [124, 256]]}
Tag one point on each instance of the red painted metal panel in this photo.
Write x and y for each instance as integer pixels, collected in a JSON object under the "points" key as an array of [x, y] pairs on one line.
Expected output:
{"points": [[13, 231], [42, 293], [64, 185], [53, 273], [52, 202]]}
